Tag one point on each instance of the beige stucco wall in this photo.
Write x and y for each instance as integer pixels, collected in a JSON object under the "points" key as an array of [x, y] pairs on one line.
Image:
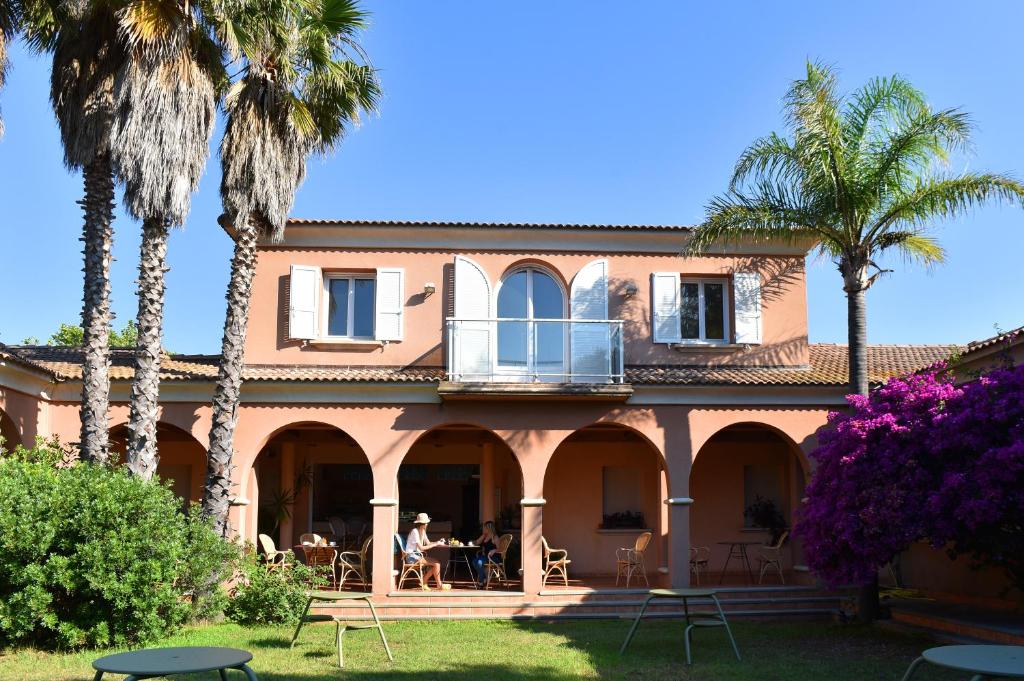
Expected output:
{"points": [[784, 315]]}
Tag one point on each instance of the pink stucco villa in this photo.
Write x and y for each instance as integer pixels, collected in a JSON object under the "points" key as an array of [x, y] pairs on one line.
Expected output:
{"points": [[581, 383]]}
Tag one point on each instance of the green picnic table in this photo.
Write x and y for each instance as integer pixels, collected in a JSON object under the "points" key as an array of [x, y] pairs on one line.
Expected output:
{"points": [[152, 663], [985, 662], [693, 620], [341, 622]]}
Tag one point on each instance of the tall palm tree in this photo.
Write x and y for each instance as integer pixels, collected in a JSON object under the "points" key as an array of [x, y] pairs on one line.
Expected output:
{"points": [[302, 82], [82, 38], [9, 20], [861, 175], [165, 101]]}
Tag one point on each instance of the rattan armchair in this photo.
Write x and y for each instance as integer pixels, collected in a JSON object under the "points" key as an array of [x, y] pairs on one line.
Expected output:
{"points": [[556, 561], [354, 563], [630, 561]]}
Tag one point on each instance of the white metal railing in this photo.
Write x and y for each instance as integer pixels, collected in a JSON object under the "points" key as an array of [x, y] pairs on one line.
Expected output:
{"points": [[511, 350]]}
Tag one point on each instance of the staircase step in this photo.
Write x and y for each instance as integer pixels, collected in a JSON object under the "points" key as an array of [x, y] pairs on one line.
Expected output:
{"points": [[990, 626]]}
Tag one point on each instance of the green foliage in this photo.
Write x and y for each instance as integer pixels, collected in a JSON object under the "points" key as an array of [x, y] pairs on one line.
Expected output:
{"points": [[270, 596], [71, 335], [91, 556], [765, 514], [49, 452]]}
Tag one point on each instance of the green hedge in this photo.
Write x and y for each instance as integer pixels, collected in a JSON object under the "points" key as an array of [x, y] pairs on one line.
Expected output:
{"points": [[93, 557]]}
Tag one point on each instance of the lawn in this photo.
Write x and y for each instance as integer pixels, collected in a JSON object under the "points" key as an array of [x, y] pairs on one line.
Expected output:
{"points": [[491, 650]]}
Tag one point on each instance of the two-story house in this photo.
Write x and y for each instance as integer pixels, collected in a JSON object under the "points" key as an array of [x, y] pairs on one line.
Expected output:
{"points": [[580, 383]]}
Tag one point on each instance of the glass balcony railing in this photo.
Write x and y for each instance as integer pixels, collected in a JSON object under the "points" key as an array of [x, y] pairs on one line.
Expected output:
{"points": [[535, 350]]}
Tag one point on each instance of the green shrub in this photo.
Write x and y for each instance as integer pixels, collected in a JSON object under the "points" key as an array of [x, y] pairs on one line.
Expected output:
{"points": [[270, 597], [90, 556]]}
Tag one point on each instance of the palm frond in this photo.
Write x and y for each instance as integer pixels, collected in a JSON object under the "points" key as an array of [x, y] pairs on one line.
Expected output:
{"points": [[915, 146], [914, 246], [943, 198], [772, 156], [876, 104]]}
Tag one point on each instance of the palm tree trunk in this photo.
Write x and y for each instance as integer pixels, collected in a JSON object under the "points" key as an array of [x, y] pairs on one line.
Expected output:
{"points": [[226, 395], [856, 284], [857, 329], [97, 235], [143, 456]]}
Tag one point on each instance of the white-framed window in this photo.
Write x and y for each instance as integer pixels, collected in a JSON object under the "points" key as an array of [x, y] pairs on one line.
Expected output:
{"points": [[349, 309], [704, 310]]}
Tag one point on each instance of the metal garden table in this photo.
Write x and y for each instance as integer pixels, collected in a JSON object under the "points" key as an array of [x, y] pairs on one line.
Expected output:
{"points": [[695, 619], [738, 549], [459, 557], [985, 662], [156, 662], [341, 623]]}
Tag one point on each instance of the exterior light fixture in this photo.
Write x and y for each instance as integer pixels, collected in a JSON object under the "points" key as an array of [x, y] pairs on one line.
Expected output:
{"points": [[429, 288], [630, 290]]}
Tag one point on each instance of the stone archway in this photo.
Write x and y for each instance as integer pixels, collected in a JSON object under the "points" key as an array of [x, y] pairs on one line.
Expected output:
{"points": [[182, 459]]}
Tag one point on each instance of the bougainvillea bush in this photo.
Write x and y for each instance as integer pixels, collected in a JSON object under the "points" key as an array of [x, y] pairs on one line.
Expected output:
{"points": [[921, 458]]}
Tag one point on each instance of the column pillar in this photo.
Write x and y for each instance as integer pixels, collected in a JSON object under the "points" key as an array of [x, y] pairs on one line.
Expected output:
{"points": [[286, 535], [679, 541], [487, 483], [532, 549], [385, 522]]}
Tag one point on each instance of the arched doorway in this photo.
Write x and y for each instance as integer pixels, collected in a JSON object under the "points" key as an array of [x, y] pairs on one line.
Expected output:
{"points": [[462, 475], [744, 474], [531, 348], [182, 459], [604, 486], [313, 477], [9, 433]]}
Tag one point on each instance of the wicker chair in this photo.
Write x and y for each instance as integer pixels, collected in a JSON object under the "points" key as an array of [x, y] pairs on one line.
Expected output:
{"points": [[354, 563], [339, 530], [630, 561], [310, 539], [407, 569], [272, 558], [498, 570], [700, 557], [320, 557], [555, 561], [769, 557]]}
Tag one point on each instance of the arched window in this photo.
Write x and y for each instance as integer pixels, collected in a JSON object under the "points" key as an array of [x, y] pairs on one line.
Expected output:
{"points": [[528, 346]]}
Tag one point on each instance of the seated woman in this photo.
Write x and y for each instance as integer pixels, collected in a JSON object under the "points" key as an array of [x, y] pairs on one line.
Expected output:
{"points": [[417, 542], [488, 543]]}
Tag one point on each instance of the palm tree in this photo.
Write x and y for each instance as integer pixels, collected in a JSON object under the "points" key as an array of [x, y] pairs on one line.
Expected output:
{"points": [[860, 175], [9, 20], [165, 101], [82, 38], [302, 82]]}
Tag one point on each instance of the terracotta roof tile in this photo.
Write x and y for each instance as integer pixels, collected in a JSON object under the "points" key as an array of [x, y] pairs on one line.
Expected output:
{"points": [[479, 225], [827, 368]]}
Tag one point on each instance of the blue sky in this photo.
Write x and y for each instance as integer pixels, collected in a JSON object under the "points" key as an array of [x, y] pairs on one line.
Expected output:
{"points": [[566, 112]]}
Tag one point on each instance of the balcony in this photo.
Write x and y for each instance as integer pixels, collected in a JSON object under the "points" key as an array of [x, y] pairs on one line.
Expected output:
{"points": [[522, 358]]}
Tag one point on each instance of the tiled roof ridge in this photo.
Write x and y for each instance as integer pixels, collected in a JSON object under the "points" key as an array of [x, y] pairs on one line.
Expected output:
{"points": [[485, 225], [1010, 335]]}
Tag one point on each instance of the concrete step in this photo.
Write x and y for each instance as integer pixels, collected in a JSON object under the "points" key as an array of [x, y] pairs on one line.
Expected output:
{"points": [[990, 626]]}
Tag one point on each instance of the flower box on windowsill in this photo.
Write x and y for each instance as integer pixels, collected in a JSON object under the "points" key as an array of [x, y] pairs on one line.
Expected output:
{"points": [[353, 343]]}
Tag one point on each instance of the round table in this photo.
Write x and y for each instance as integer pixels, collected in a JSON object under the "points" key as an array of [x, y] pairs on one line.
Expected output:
{"points": [[693, 620], [738, 549], [156, 662], [341, 622], [982, 661], [459, 555]]}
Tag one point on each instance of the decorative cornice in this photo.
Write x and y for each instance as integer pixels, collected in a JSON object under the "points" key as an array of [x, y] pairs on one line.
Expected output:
{"points": [[527, 501], [383, 501], [679, 501]]}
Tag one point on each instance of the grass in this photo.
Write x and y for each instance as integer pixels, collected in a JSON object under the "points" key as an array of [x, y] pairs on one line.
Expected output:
{"points": [[492, 650]]}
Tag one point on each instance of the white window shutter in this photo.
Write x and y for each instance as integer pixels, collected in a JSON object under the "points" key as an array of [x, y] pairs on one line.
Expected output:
{"points": [[590, 343], [747, 292], [471, 354], [388, 306], [303, 295], [665, 307]]}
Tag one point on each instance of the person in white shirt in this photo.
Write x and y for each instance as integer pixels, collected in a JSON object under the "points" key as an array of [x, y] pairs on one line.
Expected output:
{"points": [[417, 542]]}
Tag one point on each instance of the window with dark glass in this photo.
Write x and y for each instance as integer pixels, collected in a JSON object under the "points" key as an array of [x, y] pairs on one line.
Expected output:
{"points": [[350, 302], [704, 310]]}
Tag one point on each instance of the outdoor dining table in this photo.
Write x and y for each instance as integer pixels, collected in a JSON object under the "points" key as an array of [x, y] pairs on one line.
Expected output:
{"points": [[985, 662], [738, 549], [459, 556], [156, 662], [694, 619], [341, 622]]}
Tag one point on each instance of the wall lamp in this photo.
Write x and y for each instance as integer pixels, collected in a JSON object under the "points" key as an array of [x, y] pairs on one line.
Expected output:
{"points": [[428, 289], [630, 290]]}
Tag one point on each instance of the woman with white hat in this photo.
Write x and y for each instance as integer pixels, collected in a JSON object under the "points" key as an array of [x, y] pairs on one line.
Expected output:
{"points": [[417, 542]]}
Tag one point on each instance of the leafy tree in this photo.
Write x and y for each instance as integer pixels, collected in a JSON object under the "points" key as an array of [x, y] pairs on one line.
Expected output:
{"points": [[164, 107], [302, 83], [921, 458], [859, 175], [71, 336]]}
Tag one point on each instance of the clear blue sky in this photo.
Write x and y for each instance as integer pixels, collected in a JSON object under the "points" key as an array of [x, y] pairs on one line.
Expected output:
{"points": [[583, 111]]}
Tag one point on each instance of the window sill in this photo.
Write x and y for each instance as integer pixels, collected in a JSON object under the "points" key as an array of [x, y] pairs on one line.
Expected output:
{"points": [[348, 342], [708, 347]]}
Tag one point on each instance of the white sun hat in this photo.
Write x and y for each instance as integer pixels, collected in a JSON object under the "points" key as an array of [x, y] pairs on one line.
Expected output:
{"points": [[421, 519]]}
